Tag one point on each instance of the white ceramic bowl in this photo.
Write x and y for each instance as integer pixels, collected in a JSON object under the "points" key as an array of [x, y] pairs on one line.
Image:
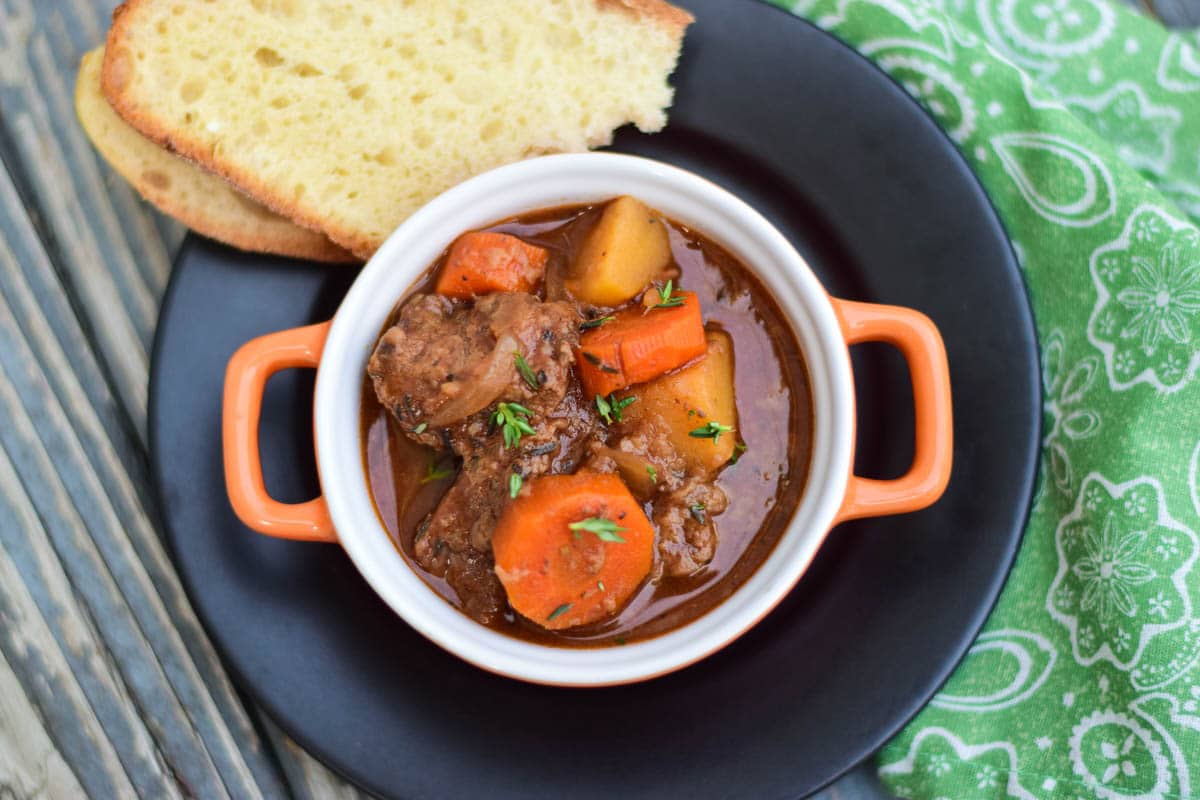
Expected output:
{"points": [[822, 325]]}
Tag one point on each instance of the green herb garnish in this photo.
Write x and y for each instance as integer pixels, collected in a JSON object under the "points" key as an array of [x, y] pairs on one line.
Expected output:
{"points": [[558, 612], [711, 430], [513, 420], [595, 323], [738, 449], [653, 473], [698, 512], [600, 585], [527, 373], [420, 428], [666, 298], [619, 640], [605, 409], [514, 485], [610, 408], [436, 473], [605, 529]]}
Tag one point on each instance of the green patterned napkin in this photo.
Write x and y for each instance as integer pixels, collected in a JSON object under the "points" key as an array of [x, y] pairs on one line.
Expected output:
{"points": [[1082, 120]]}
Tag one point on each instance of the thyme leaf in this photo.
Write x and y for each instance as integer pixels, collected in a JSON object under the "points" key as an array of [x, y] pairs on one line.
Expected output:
{"points": [[605, 529], [527, 373], [710, 430]]}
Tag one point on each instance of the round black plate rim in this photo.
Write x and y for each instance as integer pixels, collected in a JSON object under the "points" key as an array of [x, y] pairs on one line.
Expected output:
{"points": [[869, 744]]}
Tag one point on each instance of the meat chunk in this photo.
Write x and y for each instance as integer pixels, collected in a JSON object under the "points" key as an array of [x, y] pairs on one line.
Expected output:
{"points": [[441, 369], [443, 362], [687, 537], [455, 542]]}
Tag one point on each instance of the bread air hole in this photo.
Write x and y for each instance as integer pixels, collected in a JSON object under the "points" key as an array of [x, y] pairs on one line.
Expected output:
{"points": [[278, 8], [267, 57], [306, 70], [384, 157], [491, 130], [190, 91]]}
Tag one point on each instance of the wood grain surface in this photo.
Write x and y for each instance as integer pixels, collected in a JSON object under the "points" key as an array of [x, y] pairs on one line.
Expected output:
{"points": [[109, 687]]}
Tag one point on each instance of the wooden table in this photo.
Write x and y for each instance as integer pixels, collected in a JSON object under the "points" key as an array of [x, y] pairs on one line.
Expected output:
{"points": [[109, 687]]}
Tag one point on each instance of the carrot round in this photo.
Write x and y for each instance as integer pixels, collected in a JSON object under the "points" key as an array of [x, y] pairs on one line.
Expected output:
{"points": [[572, 549], [481, 262], [640, 344]]}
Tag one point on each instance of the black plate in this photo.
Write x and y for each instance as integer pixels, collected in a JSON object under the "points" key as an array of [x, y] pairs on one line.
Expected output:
{"points": [[885, 210]]}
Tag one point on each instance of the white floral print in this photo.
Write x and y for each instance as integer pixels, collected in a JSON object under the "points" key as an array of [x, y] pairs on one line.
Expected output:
{"points": [[1164, 298], [987, 777], [1159, 605], [1146, 320], [1115, 590], [1110, 568], [1064, 420]]}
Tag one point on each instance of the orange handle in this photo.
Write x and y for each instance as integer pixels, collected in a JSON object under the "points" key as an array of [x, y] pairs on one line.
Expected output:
{"points": [[245, 379], [915, 335]]}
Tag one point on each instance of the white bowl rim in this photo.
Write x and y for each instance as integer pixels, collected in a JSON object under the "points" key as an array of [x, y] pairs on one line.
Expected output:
{"points": [[542, 182]]}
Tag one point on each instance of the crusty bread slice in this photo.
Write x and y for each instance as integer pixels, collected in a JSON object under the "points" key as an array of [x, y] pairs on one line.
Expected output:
{"points": [[175, 186], [346, 116]]}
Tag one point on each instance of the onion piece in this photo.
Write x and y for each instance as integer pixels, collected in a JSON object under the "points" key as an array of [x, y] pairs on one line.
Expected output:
{"points": [[554, 282], [486, 382]]}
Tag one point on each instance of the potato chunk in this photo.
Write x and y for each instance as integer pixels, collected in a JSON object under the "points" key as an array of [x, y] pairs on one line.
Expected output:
{"points": [[626, 250], [635, 470], [690, 399]]}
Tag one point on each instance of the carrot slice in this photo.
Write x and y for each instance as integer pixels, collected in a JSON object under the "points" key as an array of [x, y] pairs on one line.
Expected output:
{"points": [[481, 262], [559, 576], [640, 344]]}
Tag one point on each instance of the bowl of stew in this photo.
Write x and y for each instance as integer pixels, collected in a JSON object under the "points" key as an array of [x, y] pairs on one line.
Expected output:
{"points": [[585, 419]]}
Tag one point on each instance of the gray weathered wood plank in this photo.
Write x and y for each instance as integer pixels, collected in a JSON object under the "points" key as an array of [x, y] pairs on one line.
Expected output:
{"points": [[118, 534], [116, 302], [30, 766], [50, 640]]}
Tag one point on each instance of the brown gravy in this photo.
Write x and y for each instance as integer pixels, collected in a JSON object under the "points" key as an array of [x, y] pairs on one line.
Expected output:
{"points": [[764, 486]]}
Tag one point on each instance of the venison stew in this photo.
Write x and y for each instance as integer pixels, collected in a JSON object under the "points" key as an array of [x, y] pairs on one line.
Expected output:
{"points": [[587, 425]]}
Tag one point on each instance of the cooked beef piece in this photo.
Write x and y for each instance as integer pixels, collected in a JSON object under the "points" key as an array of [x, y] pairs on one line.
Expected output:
{"points": [[455, 542], [687, 538], [442, 362], [446, 365]]}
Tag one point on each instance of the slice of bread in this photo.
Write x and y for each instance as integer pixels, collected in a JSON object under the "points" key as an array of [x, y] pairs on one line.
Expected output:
{"points": [[177, 187], [346, 116]]}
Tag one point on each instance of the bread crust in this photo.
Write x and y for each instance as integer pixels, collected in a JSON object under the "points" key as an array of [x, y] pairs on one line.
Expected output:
{"points": [[660, 12], [252, 228], [657, 12]]}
